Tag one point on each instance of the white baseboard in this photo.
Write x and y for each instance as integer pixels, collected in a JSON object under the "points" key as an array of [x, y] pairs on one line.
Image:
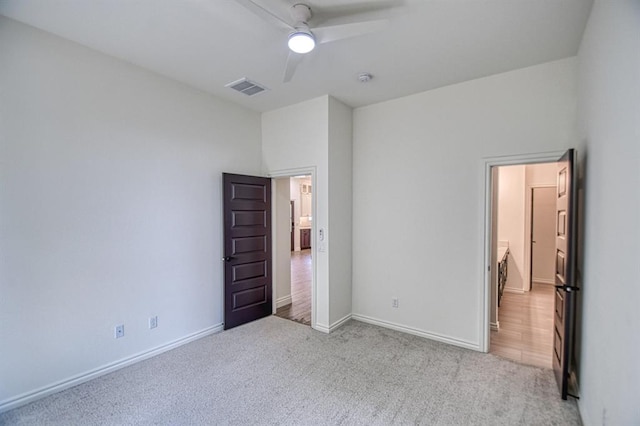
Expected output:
{"points": [[336, 325], [417, 332], [543, 281], [58, 386], [495, 326], [283, 301], [514, 290], [323, 328], [339, 323]]}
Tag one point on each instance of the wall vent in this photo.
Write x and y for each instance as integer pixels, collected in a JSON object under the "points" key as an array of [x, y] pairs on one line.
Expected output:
{"points": [[246, 86]]}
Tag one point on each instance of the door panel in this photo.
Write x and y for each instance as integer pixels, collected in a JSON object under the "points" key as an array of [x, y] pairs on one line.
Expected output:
{"points": [[293, 225], [559, 309], [565, 270], [247, 248], [249, 244]]}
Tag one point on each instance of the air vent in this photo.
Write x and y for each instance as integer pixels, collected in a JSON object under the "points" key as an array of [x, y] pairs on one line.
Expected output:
{"points": [[246, 86]]}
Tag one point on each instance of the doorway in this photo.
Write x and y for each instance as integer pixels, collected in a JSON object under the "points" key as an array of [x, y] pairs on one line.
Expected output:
{"points": [[542, 236], [522, 316], [294, 287], [299, 309]]}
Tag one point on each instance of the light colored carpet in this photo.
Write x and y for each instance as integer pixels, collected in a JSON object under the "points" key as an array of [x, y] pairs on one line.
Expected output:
{"points": [[275, 371]]}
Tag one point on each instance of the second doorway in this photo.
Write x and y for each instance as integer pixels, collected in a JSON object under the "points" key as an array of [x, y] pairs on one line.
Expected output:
{"points": [[296, 305]]}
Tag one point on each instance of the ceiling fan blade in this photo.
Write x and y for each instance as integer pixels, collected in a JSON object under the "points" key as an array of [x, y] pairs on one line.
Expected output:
{"points": [[265, 14], [356, 11], [354, 29], [292, 62]]}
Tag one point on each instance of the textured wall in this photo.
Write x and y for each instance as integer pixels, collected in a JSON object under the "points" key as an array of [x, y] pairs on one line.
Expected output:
{"points": [[110, 207], [418, 192], [609, 134]]}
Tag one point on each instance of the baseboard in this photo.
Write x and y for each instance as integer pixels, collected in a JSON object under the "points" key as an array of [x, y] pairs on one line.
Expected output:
{"points": [[336, 325], [323, 328], [333, 327], [417, 332], [283, 301], [495, 326], [543, 281], [27, 397], [514, 290]]}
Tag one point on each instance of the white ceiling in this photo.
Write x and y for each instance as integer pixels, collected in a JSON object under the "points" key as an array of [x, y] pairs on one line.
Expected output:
{"points": [[209, 43]]}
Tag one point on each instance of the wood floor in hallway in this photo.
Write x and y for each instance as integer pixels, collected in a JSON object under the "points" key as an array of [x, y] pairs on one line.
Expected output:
{"points": [[526, 326], [300, 308]]}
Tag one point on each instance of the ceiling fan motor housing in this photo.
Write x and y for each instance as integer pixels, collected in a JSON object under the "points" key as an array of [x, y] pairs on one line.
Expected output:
{"points": [[301, 13], [301, 40]]}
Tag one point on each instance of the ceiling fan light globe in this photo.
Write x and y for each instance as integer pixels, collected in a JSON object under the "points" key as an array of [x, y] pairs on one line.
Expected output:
{"points": [[301, 42]]}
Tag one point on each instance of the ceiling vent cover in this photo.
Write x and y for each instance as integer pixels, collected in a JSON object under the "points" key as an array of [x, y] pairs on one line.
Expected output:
{"points": [[246, 86]]}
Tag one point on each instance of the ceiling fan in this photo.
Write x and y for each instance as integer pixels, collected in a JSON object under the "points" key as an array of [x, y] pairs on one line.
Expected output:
{"points": [[303, 38]]}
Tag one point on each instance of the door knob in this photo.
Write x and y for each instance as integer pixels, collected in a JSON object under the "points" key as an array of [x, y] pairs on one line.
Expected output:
{"points": [[568, 288], [228, 258]]}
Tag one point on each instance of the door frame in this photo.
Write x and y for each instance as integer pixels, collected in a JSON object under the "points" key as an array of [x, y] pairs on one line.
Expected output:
{"points": [[292, 209], [485, 241], [528, 227], [289, 173]]}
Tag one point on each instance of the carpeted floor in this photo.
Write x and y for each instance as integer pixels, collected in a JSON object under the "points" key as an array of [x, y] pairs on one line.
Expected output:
{"points": [[275, 371]]}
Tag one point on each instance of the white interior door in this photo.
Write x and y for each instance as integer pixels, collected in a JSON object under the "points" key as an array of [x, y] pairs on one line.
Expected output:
{"points": [[543, 243]]}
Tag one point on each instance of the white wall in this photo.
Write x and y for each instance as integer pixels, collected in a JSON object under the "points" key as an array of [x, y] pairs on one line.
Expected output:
{"points": [[544, 174], [511, 214], [296, 137], [340, 210], [110, 208], [418, 188], [312, 135], [609, 135]]}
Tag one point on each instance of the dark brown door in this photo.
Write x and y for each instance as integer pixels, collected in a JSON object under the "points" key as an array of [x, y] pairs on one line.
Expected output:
{"points": [[247, 249], [565, 276]]}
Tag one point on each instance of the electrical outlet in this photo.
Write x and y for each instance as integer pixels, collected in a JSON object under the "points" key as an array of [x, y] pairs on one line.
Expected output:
{"points": [[119, 331], [394, 302], [153, 322]]}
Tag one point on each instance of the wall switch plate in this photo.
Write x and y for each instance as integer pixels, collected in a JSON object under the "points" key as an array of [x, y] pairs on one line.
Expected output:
{"points": [[153, 322], [119, 331], [394, 302]]}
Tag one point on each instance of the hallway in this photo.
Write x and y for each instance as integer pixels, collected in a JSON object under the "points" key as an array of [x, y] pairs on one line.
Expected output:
{"points": [[526, 327], [300, 308]]}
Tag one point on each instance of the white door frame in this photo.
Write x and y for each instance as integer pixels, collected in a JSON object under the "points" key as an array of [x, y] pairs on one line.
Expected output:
{"points": [[485, 212], [311, 170]]}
